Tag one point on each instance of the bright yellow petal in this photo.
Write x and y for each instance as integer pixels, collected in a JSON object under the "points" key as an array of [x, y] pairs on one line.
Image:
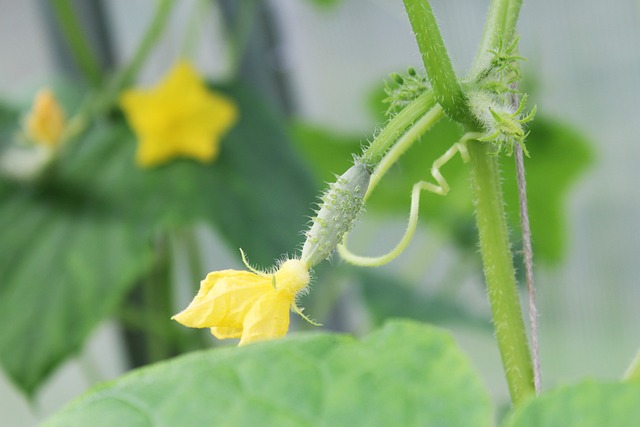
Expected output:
{"points": [[224, 299], [46, 121], [268, 318], [223, 110], [153, 152], [223, 333], [179, 117]]}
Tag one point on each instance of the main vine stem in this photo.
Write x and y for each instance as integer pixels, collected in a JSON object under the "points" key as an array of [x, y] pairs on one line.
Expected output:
{"points": [[499, 272]]}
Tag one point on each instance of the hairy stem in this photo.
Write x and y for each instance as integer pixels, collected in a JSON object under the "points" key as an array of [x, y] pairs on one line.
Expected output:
{"points": [[415, 131], [528, 257], [499, 272], [374, 153], [500, 27], [436, 59]]}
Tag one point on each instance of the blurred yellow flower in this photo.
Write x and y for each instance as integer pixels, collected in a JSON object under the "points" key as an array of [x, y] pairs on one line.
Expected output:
{"points": [[180, 117], [252, 306], [45, 122]]}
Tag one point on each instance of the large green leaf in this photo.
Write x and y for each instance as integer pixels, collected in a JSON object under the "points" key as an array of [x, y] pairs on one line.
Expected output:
{"points": [[588, 404], [406, 374], [74, 243]]}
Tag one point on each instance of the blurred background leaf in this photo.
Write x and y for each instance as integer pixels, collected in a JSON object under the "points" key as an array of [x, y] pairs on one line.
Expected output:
{"points": [[387, 296], [65, 263], [77, 241], [9, 120], [325, 3]]}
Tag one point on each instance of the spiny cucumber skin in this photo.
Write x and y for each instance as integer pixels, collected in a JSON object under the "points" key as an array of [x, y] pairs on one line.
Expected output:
{"points": [[341, 204]]}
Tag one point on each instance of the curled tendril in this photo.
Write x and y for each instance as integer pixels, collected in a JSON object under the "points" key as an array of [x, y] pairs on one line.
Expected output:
{"points": [[441, 188]]}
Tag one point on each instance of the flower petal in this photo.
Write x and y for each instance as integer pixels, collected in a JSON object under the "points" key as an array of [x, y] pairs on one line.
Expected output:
{"points": [[46, 121], [178, 117], [223, 332], [268, 318], [224, 299]]}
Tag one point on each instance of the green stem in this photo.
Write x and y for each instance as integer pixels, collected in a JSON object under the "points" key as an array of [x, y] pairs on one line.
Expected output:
{"points": [[513, 12], [633, 373], [99, 102], [194, 27], [127, 74], [193, 252], [500, 27], [239, 34], [155, 345], [436, 59], [157, 302], [78, 43], [395, 127], [499, 272], [414, 133]]}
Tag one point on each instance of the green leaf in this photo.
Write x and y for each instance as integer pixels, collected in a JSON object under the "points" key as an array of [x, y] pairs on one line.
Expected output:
{"points": [[77, 241], [406, 374], [9, 121], [329, 153], [65, 263], [588, 404]]}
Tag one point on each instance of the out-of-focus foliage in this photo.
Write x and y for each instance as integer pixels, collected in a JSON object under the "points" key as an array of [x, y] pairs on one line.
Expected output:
{"points": [[9, 117], [403, 374], [77, 240], [325, 3], [387, 296]]}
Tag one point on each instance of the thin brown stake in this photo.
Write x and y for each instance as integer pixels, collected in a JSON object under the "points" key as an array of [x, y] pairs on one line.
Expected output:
{"points": [[528, 256]]}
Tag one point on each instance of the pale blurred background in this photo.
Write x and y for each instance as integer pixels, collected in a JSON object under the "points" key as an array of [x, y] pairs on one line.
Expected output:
{"points": [[586, 62]]}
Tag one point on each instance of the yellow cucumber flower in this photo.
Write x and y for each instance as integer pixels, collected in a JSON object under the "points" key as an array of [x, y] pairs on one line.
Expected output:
{"points": [[252, 306], [179, 117], [46, 121]]}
